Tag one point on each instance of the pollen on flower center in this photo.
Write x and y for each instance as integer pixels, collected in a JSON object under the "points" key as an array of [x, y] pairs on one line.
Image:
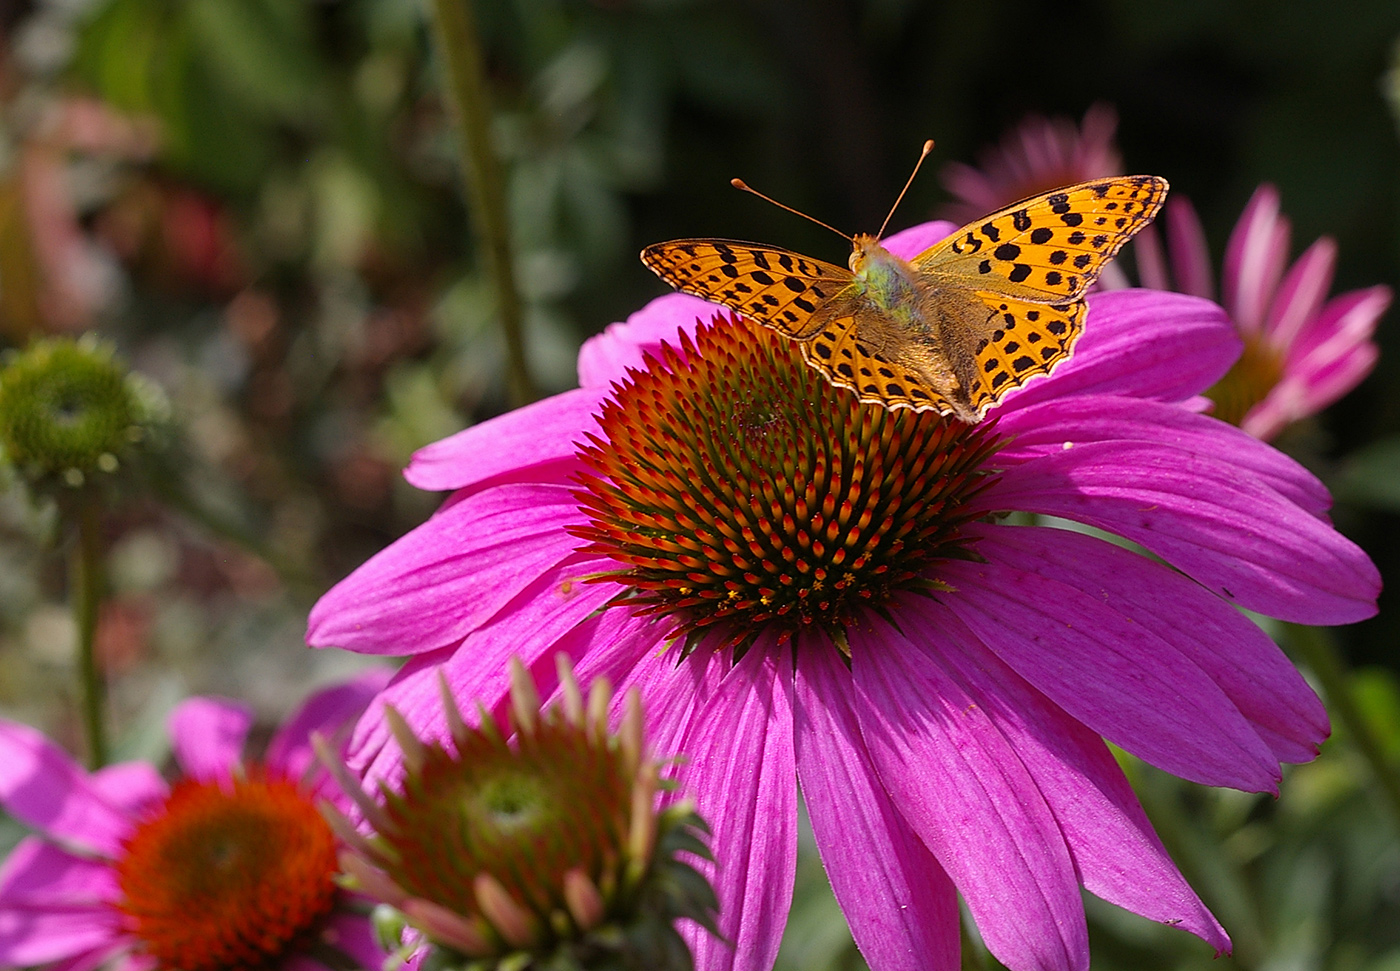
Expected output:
{"points": [[227, 875], [1248, 382], [740, 488]]}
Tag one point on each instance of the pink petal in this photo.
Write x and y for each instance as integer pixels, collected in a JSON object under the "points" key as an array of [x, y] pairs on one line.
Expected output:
{"points": [[964, 791], [1142, 344], [606, 357], [1119, 678], [910, 242], [352, 934], [1115, 851], [1054, 426], [741, 772], [207, 735], [42, 935], [536, 442], [435, 585], [42, 787], [1301, 294], [1151, 263], [130, 786], [548, 616], [1190, 255], [332, 712], [1201, 514], [902, 908], [1349, 320], [1336, 378], [1254, 259], [38, 874], [1231, 649]]}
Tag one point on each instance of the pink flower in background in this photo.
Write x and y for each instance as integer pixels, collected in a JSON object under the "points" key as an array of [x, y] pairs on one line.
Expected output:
{"points": [[1302, 351], [1036, 156], [809, 591], [230, 867]]}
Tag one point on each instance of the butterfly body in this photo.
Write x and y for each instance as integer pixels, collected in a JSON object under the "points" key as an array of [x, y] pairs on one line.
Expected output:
{"points": [[997, 303]]}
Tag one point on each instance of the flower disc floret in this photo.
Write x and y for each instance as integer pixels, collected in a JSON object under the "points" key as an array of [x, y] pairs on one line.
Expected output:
{"points": [[740, 488], [69, 411], [227, 875]]}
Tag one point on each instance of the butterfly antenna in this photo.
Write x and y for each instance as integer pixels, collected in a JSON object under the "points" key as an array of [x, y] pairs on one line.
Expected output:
{"points": [[741, 184], [928, 147]]}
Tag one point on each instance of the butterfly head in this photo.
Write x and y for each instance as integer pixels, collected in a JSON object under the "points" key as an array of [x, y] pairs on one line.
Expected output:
{"points": [[864, 247]]}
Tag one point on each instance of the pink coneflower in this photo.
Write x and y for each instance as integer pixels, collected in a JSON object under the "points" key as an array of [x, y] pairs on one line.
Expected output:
{"points": [[1302, 351], [229, 868], [1037, 155], [810, 591]]}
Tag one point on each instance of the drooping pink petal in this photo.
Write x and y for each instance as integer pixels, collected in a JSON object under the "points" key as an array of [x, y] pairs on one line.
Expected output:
{"points": [[1233, 652], [332, 712], [1151, 261], [1144, 344], [132, 787], [1302, 293], [546, 612], [1254, 260], [1087, 658], [40, 935], [741, 773], [901, 906], [353, 934], [1116, 853], [110, 956], [1325, 381], [1186, 241], [1054, 426], [207, 735], [42, 787], [534, 443], [438, 583], [1203, 515], [39, 874], [964, 791], [910, 242], [605, 358], [1349, 319]]}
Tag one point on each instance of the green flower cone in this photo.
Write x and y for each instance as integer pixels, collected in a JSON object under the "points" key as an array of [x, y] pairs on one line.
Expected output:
{"points": [[542, 851]]}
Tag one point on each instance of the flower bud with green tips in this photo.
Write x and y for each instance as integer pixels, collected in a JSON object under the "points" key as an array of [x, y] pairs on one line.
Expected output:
{"points": [[72, 415], [532, 845]]}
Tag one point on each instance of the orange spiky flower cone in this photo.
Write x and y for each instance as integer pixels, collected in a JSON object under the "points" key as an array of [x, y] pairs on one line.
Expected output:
{"points": [[541, 850]]}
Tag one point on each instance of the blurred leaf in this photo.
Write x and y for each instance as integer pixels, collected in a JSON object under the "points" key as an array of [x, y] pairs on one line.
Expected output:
{"points": [[1371, 476], [261, 52]]}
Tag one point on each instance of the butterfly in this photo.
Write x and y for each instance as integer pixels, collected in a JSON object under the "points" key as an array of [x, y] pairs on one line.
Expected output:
{"points": [[999, 302]]}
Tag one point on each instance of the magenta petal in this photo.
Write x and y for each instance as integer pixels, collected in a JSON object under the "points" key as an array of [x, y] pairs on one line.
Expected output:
{"points": [[132, 787], [1189, 252], [1347, 320], [1142, 344], [902, 908], [741, 773], [1118, 856], [1302, 293], [40, 936], [526, 440], [207, 735], [1054, 426], [1254, 259], [40, 874], [352, 934], [438, 583], [605, 357], [1232, 651], [545, 615], [42, 787], [963, 790], [910, 242], [332, 712], [1201, 514]]}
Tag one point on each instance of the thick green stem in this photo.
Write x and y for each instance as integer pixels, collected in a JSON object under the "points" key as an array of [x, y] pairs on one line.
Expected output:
{"points": [[1319, 651], [481, 172], [86, 578]]}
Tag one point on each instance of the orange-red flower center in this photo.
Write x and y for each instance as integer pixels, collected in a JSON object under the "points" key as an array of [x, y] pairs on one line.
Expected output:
{"points": [[740, 489], [228, 875]]}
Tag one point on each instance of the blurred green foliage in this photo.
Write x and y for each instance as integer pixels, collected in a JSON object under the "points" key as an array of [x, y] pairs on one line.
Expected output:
{"points": [[289, 257]]}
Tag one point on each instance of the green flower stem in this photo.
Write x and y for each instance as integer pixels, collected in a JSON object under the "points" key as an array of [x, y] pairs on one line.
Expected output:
{"points": [[86, 577], [1318, 650], [481, 173]]}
